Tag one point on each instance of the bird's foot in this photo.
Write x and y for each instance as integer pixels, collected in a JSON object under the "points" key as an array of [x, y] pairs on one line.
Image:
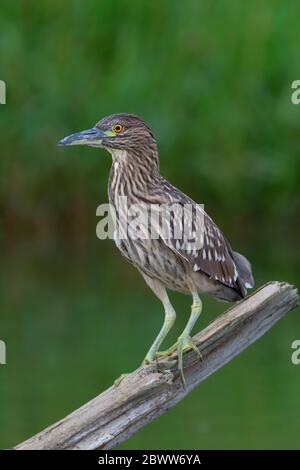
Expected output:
{"points": [[148, 359], [184, 343], [166, 353], [160, 366]]}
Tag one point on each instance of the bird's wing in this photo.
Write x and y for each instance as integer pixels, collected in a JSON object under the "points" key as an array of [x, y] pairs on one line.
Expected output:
{"points": [[203, 245], [208, 252]]}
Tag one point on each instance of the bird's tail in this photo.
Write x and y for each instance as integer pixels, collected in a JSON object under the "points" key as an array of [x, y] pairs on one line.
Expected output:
{"points": [[245, 277]]}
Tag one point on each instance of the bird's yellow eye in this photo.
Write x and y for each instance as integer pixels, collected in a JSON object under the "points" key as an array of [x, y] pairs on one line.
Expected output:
{"points": [[117, 128]]}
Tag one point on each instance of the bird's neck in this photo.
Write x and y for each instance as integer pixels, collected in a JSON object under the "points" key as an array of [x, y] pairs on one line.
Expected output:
{"points": [[133, 173]]}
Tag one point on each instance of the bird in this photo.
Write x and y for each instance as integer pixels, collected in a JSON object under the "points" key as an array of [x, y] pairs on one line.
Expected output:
{"points": [[201, 263]]}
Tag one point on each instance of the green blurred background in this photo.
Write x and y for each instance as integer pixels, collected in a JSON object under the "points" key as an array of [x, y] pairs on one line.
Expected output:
{"points": [[213, 79]]}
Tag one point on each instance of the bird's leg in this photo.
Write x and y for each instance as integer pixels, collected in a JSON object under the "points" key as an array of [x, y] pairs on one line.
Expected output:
{"points": [[170, 317], [160, 291], [185, 341]]}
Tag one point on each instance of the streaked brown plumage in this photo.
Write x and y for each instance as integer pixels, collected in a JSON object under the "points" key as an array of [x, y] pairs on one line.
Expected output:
{"points": [[175, 263]]}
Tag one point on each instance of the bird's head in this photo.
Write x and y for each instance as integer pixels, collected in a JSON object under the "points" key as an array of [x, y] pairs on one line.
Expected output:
{"points": [[116, 132]]}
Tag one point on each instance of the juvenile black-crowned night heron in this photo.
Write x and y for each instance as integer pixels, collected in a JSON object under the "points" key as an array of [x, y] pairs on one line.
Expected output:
{"points": [[200, 263]]}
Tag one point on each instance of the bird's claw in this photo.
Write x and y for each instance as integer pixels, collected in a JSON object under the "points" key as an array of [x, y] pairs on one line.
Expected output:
{"points": [[184, 343], [147, 361], [165, 354]]}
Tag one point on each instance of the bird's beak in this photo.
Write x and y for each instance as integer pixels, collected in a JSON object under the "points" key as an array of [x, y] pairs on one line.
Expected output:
{"points": [[92, 137]]}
